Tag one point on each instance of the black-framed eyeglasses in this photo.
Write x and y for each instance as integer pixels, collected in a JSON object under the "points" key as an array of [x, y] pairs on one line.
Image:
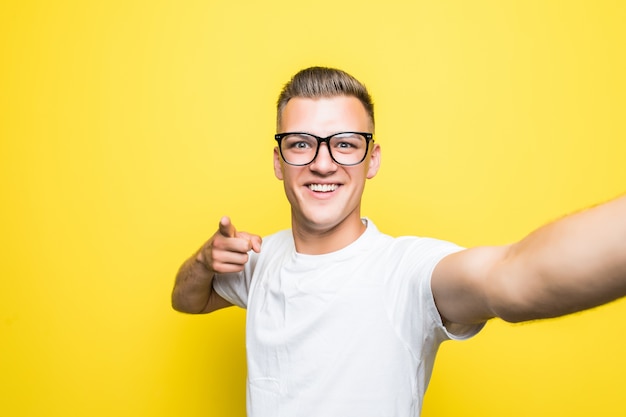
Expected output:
{"points": [[345, 148]]}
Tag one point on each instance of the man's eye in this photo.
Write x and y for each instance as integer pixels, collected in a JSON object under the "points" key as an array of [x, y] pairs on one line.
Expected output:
{"points": [[298, 143]]}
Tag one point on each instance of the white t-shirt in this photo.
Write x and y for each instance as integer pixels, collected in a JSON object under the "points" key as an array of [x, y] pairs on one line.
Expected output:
{"points": [[349, 333]]}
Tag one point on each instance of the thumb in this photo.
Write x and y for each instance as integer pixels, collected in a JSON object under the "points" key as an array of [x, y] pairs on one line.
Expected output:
{"points": [[226, 228]]}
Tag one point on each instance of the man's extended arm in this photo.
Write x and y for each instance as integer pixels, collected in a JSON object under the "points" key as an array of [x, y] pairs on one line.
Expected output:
{"points": [[226, 251], [573, 264]]}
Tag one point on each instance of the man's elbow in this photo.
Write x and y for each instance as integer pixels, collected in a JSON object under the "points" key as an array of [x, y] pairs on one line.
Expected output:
{"points": [[184, 305]]}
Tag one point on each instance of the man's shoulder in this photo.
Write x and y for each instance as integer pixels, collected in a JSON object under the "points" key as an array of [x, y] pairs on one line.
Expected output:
{"points": [[407, 241], [406, 248], [416, 248], [281, 238]]}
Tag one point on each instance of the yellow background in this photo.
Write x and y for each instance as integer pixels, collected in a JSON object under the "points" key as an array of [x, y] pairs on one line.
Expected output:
{"points": [[129, 127]]}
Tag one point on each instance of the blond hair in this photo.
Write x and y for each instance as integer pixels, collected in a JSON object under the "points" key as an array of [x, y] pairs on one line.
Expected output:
{"points": [[323, 82]]}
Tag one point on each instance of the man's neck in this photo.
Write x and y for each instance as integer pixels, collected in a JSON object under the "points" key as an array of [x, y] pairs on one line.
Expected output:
{"points": [[317, 241]]}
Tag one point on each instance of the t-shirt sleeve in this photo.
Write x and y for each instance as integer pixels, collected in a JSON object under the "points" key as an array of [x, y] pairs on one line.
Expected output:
{"points": [[235, 287], [412, 303], [232, 288], [452, 331]]}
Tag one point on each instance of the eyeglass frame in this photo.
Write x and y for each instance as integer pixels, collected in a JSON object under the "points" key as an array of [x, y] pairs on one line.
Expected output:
{"points": [[369, 138]]}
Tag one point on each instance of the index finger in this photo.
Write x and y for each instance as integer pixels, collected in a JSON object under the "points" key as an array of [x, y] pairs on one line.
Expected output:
{"points": [[226, 228]]}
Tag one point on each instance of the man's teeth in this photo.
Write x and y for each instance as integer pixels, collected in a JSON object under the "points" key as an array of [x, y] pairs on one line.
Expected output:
{"points": [[324, 188]]}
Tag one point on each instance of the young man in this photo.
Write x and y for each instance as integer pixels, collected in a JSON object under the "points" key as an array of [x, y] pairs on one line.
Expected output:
{"points": [[343, 320]]}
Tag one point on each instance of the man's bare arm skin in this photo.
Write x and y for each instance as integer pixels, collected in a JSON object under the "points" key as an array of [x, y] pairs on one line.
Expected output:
{"points": [[573, 264], [226, 251]]}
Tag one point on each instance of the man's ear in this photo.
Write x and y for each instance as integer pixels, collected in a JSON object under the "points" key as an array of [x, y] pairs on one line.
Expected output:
{"points": [[374, 161], [278, 169]]}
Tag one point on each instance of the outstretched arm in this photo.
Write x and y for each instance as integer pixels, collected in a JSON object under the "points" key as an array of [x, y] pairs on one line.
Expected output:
{"points": [[573, 264], [226, 251]]}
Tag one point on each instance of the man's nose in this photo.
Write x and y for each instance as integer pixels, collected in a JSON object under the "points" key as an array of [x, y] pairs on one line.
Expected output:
{"points": [[323, 162]]}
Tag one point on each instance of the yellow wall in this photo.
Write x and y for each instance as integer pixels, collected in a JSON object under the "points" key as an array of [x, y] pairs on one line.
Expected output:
{"points": [[129, 127]]}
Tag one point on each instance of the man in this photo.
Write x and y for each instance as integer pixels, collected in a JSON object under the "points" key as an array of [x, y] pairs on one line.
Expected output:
{"points": [[343, 320]]}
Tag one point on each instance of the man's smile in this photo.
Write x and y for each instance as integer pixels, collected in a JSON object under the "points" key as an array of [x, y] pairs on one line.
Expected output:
{"points": [[323, 188]]}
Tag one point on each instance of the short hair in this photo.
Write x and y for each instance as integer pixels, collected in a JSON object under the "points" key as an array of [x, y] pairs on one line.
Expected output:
{"points": [[323, 82]]}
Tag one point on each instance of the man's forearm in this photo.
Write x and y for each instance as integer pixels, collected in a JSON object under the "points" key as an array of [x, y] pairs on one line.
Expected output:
{"points": [[193, 287], [572, 264]]}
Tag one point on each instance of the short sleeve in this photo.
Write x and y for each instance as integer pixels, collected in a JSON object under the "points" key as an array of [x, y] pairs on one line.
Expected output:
{"points": [[413, 308], [235, 287], [232, 288], [452, 331]]}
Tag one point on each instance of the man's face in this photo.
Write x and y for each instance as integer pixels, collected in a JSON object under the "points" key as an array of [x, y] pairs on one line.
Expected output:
{"points": [[323, 194]]}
